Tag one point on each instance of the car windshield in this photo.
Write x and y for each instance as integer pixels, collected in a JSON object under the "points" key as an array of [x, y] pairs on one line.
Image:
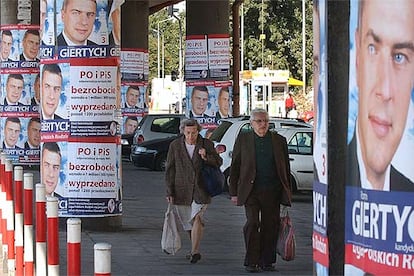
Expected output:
{"points": [[219, 132]]}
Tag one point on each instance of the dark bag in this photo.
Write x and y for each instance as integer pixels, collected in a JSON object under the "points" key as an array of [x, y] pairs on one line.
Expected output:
{"points": [[286, 242], [213, 178]]}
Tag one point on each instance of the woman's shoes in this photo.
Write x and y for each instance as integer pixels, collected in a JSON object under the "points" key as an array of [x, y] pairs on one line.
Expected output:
{"points": [[195, 258]]}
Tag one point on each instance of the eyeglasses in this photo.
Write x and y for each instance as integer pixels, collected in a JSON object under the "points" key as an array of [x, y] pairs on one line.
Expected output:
{"points": [[259, 121]]}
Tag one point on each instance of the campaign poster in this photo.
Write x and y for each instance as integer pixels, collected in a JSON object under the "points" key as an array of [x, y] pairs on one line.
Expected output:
{"points": [[100, 36], [133, 64], [219, 55], [379, 211], [209, 101], [134, 103], [81, 135], [196, 57], [20, 93], [320, 243]]}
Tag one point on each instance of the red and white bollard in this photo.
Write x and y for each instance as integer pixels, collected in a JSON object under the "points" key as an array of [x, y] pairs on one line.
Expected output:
{"points": [[102, 259], [18, 216], [28, 224], [52, 236], [41, 259], [74, 246], [11, 261]]}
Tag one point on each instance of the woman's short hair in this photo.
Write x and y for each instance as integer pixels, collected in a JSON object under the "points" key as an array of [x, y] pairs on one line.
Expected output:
{"points": [[189, 122]]}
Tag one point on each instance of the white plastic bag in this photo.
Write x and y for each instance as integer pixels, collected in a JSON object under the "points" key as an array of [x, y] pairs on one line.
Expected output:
{"points": [[170, 240]]}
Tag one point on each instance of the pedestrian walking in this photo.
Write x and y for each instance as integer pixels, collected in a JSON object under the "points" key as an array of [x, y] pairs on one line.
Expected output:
{"points": [[260, 180], [185, 186]]}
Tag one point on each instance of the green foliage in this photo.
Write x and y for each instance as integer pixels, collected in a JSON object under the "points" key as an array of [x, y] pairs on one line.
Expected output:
{"points": [[282, 47], [169, 33]]}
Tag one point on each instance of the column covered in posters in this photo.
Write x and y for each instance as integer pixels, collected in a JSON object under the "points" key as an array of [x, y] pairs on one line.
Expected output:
{"points": [[320, 242], [134, 65], [80, 106], [209, 91], [19, 83]]}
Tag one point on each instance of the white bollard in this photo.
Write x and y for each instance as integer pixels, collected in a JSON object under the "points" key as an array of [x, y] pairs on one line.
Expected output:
{"points": [[102, 259]]}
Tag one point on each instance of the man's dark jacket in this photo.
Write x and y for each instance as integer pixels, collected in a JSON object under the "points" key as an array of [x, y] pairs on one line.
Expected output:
{"points": [[243, 167]]}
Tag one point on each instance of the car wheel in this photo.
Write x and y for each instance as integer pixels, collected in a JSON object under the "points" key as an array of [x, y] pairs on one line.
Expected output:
{"points": [[161, 162]]}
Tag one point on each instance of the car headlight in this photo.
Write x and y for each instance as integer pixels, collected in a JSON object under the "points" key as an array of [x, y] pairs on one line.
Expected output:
{"points": [[124, 142], [140, 149]]}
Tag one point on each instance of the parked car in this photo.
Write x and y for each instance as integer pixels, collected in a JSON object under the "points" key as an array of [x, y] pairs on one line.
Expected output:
{"points": [[300, 149], [126, 143], [226, 133], [155, 126], [150, 127], [151, 154]]}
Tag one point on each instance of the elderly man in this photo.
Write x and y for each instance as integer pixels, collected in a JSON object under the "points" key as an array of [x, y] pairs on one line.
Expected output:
{"points": [[260, 180]]}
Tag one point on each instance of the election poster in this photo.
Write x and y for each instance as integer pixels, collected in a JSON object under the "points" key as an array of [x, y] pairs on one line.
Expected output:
{"points": [[196, 57], [134, 89], [62, 39], [207, 57], [209, 102], [379, 211], [320, 243], [219, 55], [20, 93], [81, 117]]}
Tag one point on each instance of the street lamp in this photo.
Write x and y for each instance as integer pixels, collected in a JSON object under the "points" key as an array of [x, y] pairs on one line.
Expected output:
{"points": [[158, 46]]}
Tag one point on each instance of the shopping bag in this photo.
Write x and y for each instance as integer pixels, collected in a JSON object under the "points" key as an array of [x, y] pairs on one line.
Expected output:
{"points": [[170, 240], [213, 180], [286, 242]]}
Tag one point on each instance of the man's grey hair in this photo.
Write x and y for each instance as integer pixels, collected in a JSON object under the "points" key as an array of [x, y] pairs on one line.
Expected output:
{"points": [[189, 122], [258, 111]]}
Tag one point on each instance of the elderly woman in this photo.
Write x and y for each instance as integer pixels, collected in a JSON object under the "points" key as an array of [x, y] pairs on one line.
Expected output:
{"points": [[185, 187]]}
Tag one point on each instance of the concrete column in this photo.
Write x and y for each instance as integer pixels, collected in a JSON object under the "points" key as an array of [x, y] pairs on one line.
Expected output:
{"points": [[207, 17], [135, 24], [338, 65]]}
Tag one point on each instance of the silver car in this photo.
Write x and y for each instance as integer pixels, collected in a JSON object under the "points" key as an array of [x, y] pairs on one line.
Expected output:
{"points": [[225, 136]]}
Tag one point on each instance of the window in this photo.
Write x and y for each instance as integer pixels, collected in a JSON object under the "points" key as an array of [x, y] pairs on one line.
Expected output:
{"points": [[166, 125], [301, 143]]}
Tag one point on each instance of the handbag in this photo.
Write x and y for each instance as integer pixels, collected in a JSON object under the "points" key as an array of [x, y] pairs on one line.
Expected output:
{"points": [[170, 239], [213, 178], [286, 242]]}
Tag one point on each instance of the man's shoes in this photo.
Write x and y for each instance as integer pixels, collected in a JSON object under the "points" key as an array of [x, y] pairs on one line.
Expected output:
{"points": [[195, 258], [252, 268], [269, 268]]}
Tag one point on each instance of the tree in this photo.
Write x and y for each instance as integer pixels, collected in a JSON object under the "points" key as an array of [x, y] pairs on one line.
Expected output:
{"points": [[282, 25], [169, 29]]}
